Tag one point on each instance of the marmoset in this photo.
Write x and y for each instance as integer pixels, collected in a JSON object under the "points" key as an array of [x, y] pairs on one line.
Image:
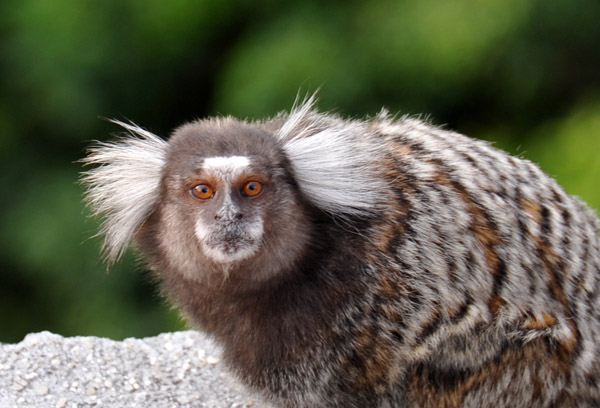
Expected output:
{"points": [[381, 262]]}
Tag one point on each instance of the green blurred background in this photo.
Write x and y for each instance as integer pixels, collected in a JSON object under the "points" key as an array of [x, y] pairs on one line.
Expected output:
{"points": [[522, 73]]}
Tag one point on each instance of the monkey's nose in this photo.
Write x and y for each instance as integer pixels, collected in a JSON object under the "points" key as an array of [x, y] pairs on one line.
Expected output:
{"points": [[229, 216]]}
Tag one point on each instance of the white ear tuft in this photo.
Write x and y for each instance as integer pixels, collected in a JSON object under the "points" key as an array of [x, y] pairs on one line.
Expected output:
{"points": [[124, 185], [298, 121], [334, 161]]}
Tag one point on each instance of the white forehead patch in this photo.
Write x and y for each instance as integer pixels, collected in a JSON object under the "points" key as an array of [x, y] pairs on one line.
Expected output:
{"points": [[226, 165]]}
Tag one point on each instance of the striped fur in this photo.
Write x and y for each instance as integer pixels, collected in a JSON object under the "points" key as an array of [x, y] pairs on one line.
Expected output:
{"points": [[459, 277]]}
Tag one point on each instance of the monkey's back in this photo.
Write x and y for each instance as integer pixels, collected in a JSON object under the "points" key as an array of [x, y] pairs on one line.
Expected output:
{"points": [[488, 277]]}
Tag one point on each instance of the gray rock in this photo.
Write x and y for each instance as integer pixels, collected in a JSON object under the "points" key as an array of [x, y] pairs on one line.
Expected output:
{"points": [[171, 370]]}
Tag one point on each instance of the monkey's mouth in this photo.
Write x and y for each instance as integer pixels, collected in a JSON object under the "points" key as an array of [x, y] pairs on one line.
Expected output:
{"points": [[230, 242], [231, 246]]}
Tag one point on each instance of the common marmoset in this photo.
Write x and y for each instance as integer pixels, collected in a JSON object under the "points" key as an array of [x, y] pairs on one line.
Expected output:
{"points": [[363, 263]]}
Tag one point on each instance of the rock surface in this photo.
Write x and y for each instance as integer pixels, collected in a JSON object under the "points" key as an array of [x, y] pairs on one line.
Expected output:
{"points": [[171, 370]]}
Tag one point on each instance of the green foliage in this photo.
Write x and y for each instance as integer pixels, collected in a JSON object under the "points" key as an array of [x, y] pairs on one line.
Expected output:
{"points": [[523, 74], [569, 149]]}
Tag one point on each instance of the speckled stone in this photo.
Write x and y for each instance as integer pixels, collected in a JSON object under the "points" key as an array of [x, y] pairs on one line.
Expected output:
{"points": [[172, 370]]}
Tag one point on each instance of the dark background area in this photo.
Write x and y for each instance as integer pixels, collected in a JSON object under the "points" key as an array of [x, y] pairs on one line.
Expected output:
{"points": [[524, 74]]}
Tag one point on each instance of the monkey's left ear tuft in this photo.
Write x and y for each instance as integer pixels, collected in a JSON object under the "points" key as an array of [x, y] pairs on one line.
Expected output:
{"points": [[335, 161], [123, 188]]}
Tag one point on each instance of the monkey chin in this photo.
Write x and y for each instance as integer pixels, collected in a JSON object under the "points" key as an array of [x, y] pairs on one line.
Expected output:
{"points": [[230, 251]]}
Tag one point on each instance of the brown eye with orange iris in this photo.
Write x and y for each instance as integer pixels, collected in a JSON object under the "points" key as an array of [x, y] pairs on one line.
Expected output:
{"points": [[202, 192], [252, 188]]}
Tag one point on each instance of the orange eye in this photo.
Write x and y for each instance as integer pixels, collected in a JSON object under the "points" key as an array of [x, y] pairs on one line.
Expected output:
{"points": [[202, 192], [252, 188]]}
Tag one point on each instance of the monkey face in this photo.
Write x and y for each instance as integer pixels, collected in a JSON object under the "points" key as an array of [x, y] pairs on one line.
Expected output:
{"points": [[230, 208], [229, 198]]}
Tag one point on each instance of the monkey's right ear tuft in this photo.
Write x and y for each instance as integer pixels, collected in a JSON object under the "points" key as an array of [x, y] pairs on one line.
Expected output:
{"points": [[123, 187]]}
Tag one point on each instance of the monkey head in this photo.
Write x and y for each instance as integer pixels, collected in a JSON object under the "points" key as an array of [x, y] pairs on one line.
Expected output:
{"points": [[227, 201], [224, 196]]}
